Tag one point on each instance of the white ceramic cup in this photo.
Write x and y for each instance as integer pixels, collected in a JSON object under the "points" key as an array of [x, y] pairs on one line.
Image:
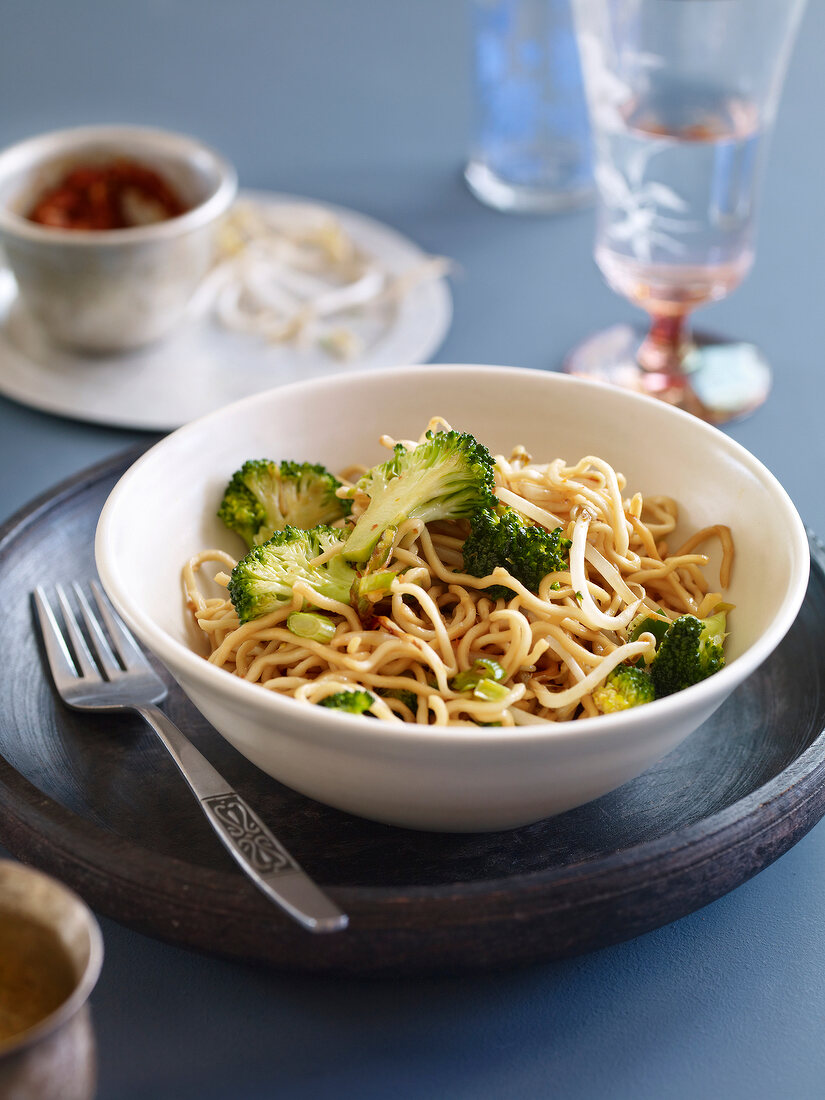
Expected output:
{"points": [[117, 289]]}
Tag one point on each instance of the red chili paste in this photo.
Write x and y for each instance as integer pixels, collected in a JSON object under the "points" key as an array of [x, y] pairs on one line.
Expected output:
{"points": [[117, 195]]}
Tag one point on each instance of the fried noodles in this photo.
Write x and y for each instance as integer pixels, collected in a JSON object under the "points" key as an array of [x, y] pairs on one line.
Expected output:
{"points": [[556, 646]]}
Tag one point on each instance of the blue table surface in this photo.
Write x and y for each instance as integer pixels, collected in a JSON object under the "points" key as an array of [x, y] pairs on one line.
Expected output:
{"points": [[367, 105]]}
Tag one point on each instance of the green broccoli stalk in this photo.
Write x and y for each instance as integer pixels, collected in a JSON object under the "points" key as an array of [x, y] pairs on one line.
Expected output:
{"points": [[626, 686], [501, 538], [368, 591], [355, 701], [690, 651], [262, 582], [263, 497], [374, 581], [448, 476]]}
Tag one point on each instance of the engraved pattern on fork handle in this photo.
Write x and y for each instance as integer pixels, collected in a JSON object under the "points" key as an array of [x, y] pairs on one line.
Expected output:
{"points": [[247, 839], [260, 848]]}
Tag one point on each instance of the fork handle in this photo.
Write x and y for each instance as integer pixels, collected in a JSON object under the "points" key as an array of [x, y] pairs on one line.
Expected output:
{"points": [[250, 843]]}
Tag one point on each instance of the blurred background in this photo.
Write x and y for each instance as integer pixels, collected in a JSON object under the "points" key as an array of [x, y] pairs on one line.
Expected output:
{"points": [[369, 105]]}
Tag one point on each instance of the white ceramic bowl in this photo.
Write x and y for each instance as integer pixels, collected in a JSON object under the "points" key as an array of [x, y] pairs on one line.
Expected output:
{"points": [[163, 510], [111, 290]]}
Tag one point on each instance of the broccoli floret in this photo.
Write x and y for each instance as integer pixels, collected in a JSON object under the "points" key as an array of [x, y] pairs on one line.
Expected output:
{"points": [[487, 546], [448, 476], [262, 581], [263, 498], [690, 651], [356, 701], [408, 698], [626, 686], [502, 538]]}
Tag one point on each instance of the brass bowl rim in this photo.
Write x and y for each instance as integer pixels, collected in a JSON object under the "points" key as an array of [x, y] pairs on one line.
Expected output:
{"points": [[85, 982]]}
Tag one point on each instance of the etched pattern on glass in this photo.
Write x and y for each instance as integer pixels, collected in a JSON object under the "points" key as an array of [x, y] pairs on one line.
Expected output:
{"points": [[637, 221], [676, 161]]}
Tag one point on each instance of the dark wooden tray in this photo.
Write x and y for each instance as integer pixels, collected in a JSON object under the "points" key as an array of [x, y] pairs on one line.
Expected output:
{"points": [[98, 803]]}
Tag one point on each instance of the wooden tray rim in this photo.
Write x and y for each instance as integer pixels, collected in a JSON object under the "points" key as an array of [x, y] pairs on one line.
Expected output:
{"points": [[32, 822]]}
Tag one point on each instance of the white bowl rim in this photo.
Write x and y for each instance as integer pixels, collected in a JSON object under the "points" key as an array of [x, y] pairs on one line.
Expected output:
{"points": [[210, 677], [56, 142]]}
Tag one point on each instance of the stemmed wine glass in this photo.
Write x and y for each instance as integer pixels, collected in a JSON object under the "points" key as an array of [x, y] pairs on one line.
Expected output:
{"points": [[682, 95]]}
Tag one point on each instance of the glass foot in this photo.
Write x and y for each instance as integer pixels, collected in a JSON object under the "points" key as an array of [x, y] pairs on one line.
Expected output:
{"points": [[720, 380], [514, 198]]}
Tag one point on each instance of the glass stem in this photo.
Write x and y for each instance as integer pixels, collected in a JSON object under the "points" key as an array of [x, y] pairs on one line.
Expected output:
{"points": [[663, 349]]}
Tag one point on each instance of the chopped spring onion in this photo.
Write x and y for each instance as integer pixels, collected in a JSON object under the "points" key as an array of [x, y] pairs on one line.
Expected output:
{"points": [[490, 691], [307, 624], [484, 668]]}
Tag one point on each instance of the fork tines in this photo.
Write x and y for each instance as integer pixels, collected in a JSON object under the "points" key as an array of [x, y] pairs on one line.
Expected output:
{"points": [[72, 652]]}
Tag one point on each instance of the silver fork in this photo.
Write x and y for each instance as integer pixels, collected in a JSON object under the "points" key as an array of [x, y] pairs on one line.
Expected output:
{"points": [[128, 682]]}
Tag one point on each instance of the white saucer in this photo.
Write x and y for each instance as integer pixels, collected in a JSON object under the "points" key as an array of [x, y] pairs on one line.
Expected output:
{"points": [[203, 365]]}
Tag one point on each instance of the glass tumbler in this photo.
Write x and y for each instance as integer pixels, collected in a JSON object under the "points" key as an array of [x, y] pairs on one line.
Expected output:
{"points": [[531, 146], [682, 97]]}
